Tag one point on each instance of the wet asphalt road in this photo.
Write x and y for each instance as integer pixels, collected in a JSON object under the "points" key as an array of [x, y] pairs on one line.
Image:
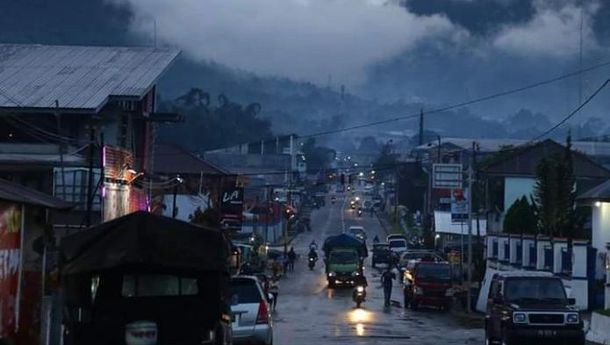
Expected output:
{"points": [[310, 313]]}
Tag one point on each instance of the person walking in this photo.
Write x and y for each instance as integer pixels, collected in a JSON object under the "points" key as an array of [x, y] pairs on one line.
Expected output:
{"points": [[274, 290], [386, 281], [292, 257]]}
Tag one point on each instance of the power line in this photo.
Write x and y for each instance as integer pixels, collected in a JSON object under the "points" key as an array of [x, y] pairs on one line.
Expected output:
{"points": [[574, 112], [466, 103]]}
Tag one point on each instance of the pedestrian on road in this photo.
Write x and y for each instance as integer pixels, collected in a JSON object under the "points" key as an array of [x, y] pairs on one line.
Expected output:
{"points": [[274, 290], [292, 257], [386, 281], [286, 264]]}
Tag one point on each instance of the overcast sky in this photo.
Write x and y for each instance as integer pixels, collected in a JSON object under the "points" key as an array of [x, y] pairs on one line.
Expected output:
{"points": [[399, 49]]}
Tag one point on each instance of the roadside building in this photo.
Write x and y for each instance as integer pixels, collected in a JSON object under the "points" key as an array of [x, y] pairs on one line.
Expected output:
{"points": [[194, 183], [25, 220], [76, 122]]}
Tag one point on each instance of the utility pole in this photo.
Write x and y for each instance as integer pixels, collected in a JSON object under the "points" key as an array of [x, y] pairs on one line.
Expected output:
{"points": [[90, 177], [469, 268], [438, 151], [421, 126]]}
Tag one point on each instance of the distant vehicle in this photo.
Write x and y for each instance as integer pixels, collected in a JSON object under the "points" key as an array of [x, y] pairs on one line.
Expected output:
{"points": [[395, 236], [358, 232], [416, 255], [428, 283], [398, 245], [381, 254], [531, 306], [251, 315]]}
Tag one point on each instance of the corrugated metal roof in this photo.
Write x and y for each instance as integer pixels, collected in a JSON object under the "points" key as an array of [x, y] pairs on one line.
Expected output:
{"points": [[78, 77], [14, 192]]}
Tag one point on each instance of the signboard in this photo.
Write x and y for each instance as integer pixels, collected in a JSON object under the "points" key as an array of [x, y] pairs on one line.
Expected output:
{"points": [[231, 207], [459, 206], [10, 261], [447, 176]]}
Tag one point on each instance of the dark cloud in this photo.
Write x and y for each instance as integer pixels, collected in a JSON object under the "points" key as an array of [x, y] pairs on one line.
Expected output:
{"points": [[479, 17], [601, 23]]}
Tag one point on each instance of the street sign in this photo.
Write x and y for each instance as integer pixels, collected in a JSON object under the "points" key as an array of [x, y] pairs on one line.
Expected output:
{"points": [[231, 207], [459, 206], [447, 176]]}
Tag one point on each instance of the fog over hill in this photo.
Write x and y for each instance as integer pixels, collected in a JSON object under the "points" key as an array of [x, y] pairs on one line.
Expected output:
{"points": [[394, 57]]}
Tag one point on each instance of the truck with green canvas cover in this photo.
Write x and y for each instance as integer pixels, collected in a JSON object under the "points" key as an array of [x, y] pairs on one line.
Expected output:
{"points": [[343, 256]]}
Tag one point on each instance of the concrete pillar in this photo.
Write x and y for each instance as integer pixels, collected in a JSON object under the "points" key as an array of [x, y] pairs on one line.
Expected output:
{"points": [[529, 261], [579, 280], [559, 246], [516, 252], [542, 243]]}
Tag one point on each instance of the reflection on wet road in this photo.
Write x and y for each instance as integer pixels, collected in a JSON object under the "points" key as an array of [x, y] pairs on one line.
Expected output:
{"points": [[310, 313]]}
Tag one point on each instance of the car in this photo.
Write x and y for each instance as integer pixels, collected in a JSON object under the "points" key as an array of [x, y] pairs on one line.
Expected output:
{"points": [[531, 307], [251, 314], [415, 255], [358, 232], [381, 254], [428, 283], [398, 245]]}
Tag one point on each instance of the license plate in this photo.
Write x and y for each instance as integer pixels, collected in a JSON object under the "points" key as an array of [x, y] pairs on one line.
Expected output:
{"points": [[547, 333]]}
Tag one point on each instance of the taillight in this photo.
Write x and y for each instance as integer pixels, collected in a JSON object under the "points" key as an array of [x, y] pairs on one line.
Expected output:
{"points": [[263, 313]]}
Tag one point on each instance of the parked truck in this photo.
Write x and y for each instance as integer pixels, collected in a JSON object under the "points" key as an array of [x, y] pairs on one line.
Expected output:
{"points": [[343, 258]]}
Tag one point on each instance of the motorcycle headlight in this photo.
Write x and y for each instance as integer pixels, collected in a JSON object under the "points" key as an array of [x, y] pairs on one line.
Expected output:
{"points": [[418, 290], [572, 318], [519, 318], [355, 274], [332, 274], [360, 288]]}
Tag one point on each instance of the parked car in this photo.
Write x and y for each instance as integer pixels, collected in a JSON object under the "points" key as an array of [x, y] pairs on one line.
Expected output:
{"points": [[416, 255], [358, 232], [395, 236], [398, 245], [428, 283], [251, 315], [531, 307], [381, 254]]}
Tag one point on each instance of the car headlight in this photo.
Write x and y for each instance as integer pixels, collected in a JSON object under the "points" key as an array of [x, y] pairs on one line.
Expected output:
{"points": [[360, 288], [418, 290], [572, 318], [519, 318], [332, 274], [355, 274], [449, 292]]}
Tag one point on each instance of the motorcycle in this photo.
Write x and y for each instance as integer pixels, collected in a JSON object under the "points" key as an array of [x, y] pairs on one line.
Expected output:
{"points": [[359, 295], [311, 263], [359, 212]]}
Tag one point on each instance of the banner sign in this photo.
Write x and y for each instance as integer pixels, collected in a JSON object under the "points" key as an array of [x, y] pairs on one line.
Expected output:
{"points": [[459, 206], [446, 176], [10, 259], [231, 207]]}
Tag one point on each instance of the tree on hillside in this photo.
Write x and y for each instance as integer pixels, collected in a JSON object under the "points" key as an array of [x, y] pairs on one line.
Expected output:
{"points": [[520, 218], [209, 127], [566, 192], [387, 161], [317, 157]]}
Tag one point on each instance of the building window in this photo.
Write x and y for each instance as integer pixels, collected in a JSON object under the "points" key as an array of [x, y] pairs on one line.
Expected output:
{"points": [[71, 185]]}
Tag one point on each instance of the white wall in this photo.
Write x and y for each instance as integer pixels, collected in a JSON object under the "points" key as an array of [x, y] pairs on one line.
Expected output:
{"points": [[515, 188], [601, 226]]}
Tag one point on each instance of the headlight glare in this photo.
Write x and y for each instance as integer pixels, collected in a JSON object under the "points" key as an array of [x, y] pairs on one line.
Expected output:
{"points": [[572, 318], [519, 318]]}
